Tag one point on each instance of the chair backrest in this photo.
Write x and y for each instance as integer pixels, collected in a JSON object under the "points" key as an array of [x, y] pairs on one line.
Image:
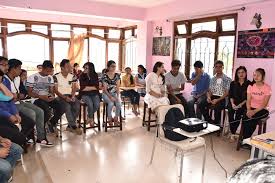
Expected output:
{"points": [[161, 113]]}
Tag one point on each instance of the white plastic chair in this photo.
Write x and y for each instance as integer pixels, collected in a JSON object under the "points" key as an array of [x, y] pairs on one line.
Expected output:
{"points": [[181, 147]]}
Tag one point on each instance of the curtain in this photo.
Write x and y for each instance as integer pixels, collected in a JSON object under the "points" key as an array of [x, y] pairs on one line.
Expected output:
{"points": [[76, 47]]}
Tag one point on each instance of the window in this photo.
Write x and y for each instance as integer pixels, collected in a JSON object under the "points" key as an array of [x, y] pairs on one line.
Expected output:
{"points": [[79, 30], [203, 49], [97, 52], [114, 33], [218, 44], [13, 27], [85, 53], [99, 32], [128, 34], [61, 30], [130, 53], [181, 29], [226, 52], [228, 24], [30, 49], [60, 50], [205, 26], [113, 52], [40, 28], [135, 32]]}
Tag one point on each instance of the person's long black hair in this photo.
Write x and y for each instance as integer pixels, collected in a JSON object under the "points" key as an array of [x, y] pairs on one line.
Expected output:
{"points": [[131, 77], [92, 74], [143, 68], [262, 72], [236, 79], [155, 70]]}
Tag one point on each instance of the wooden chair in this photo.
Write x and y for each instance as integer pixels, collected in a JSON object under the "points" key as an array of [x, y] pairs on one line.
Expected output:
{"points": [[149, 121], [261, 129], [83, 107], [104, 119], [125, 100]]}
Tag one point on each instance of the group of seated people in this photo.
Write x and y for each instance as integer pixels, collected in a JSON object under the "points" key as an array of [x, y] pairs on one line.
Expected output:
{"points": [[53, 95], [243, 98]]}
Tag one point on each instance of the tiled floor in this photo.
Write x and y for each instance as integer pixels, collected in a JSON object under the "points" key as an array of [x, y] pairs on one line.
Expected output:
{"points": [[123, 157]]}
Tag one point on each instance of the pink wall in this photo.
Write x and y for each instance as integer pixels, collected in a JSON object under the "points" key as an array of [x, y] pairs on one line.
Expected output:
{"points": [[167, 30]]}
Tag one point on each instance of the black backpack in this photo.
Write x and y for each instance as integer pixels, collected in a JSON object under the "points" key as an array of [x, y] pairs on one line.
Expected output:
{"points": [[172, 118]]}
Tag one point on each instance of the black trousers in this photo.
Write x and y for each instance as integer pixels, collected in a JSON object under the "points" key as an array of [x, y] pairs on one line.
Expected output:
{"points": [[234, 117], [183, 102], [58, 110], [10, 131], [251, 124], [27, 125], [132, 94], [205, 106]]}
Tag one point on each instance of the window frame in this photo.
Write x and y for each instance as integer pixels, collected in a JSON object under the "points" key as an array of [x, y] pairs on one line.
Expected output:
{"points": [[28, 23], [204, 33]]}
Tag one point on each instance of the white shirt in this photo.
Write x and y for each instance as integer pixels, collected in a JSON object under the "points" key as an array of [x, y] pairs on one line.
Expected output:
{"points": [[14, 85], [175, 81], [154, 83], [40, 84], [64, 84]]}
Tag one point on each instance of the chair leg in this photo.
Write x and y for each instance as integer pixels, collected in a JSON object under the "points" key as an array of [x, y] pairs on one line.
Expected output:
{"points": [[120, 121], [260, 128], [85, 118], [181, 167], [79, 117], [60, 126], [124, 105], [98, 119], [203, 164], [240, 136], [149, 119], [106, 125], [144, 114], [264, 129], [153, 150]]}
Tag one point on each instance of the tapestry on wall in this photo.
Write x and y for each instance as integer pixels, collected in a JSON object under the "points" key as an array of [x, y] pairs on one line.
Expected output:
{"points": [[161, 46], [256, 43]]}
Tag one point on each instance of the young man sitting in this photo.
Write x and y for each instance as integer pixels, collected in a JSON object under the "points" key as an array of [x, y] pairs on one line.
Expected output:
{"points": [[28, 109], [175, 82], [65, 88], [216, 95], [41, 86], [200, 81]]}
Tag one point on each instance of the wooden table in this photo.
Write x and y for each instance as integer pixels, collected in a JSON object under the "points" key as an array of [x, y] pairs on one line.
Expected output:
{"points": [[259, 151]]}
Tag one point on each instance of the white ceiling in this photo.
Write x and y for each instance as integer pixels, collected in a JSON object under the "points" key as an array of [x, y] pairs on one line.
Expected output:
{"points": [[136, 3]]}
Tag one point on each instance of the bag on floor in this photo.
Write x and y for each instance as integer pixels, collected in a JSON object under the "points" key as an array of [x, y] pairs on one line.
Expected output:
{"points": [[172, 118]]}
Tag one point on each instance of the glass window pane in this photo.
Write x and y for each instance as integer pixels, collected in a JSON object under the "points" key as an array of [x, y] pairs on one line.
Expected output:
{"points": [[113, 52], [40, 28], [0, 28], [181, 29], [130, 53], [99, 32], [79, 30], [114, 33], [60, 50], [128, 34], [97, 51], [226, 53], [60, 30], [30, 49], [180, 51], [13, 27], [203, 49], [228, 24], [204, 26]]}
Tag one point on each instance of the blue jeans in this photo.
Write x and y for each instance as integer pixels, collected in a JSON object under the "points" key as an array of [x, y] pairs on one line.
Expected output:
{"points": [[111, 104], [71, 110], [7, 164], [36, 114], [93, 103]]}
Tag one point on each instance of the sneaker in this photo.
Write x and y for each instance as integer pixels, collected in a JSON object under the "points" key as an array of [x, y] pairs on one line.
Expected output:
{"points": [[74, 129], [45, 143], [10, 179], [30, 142]]}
